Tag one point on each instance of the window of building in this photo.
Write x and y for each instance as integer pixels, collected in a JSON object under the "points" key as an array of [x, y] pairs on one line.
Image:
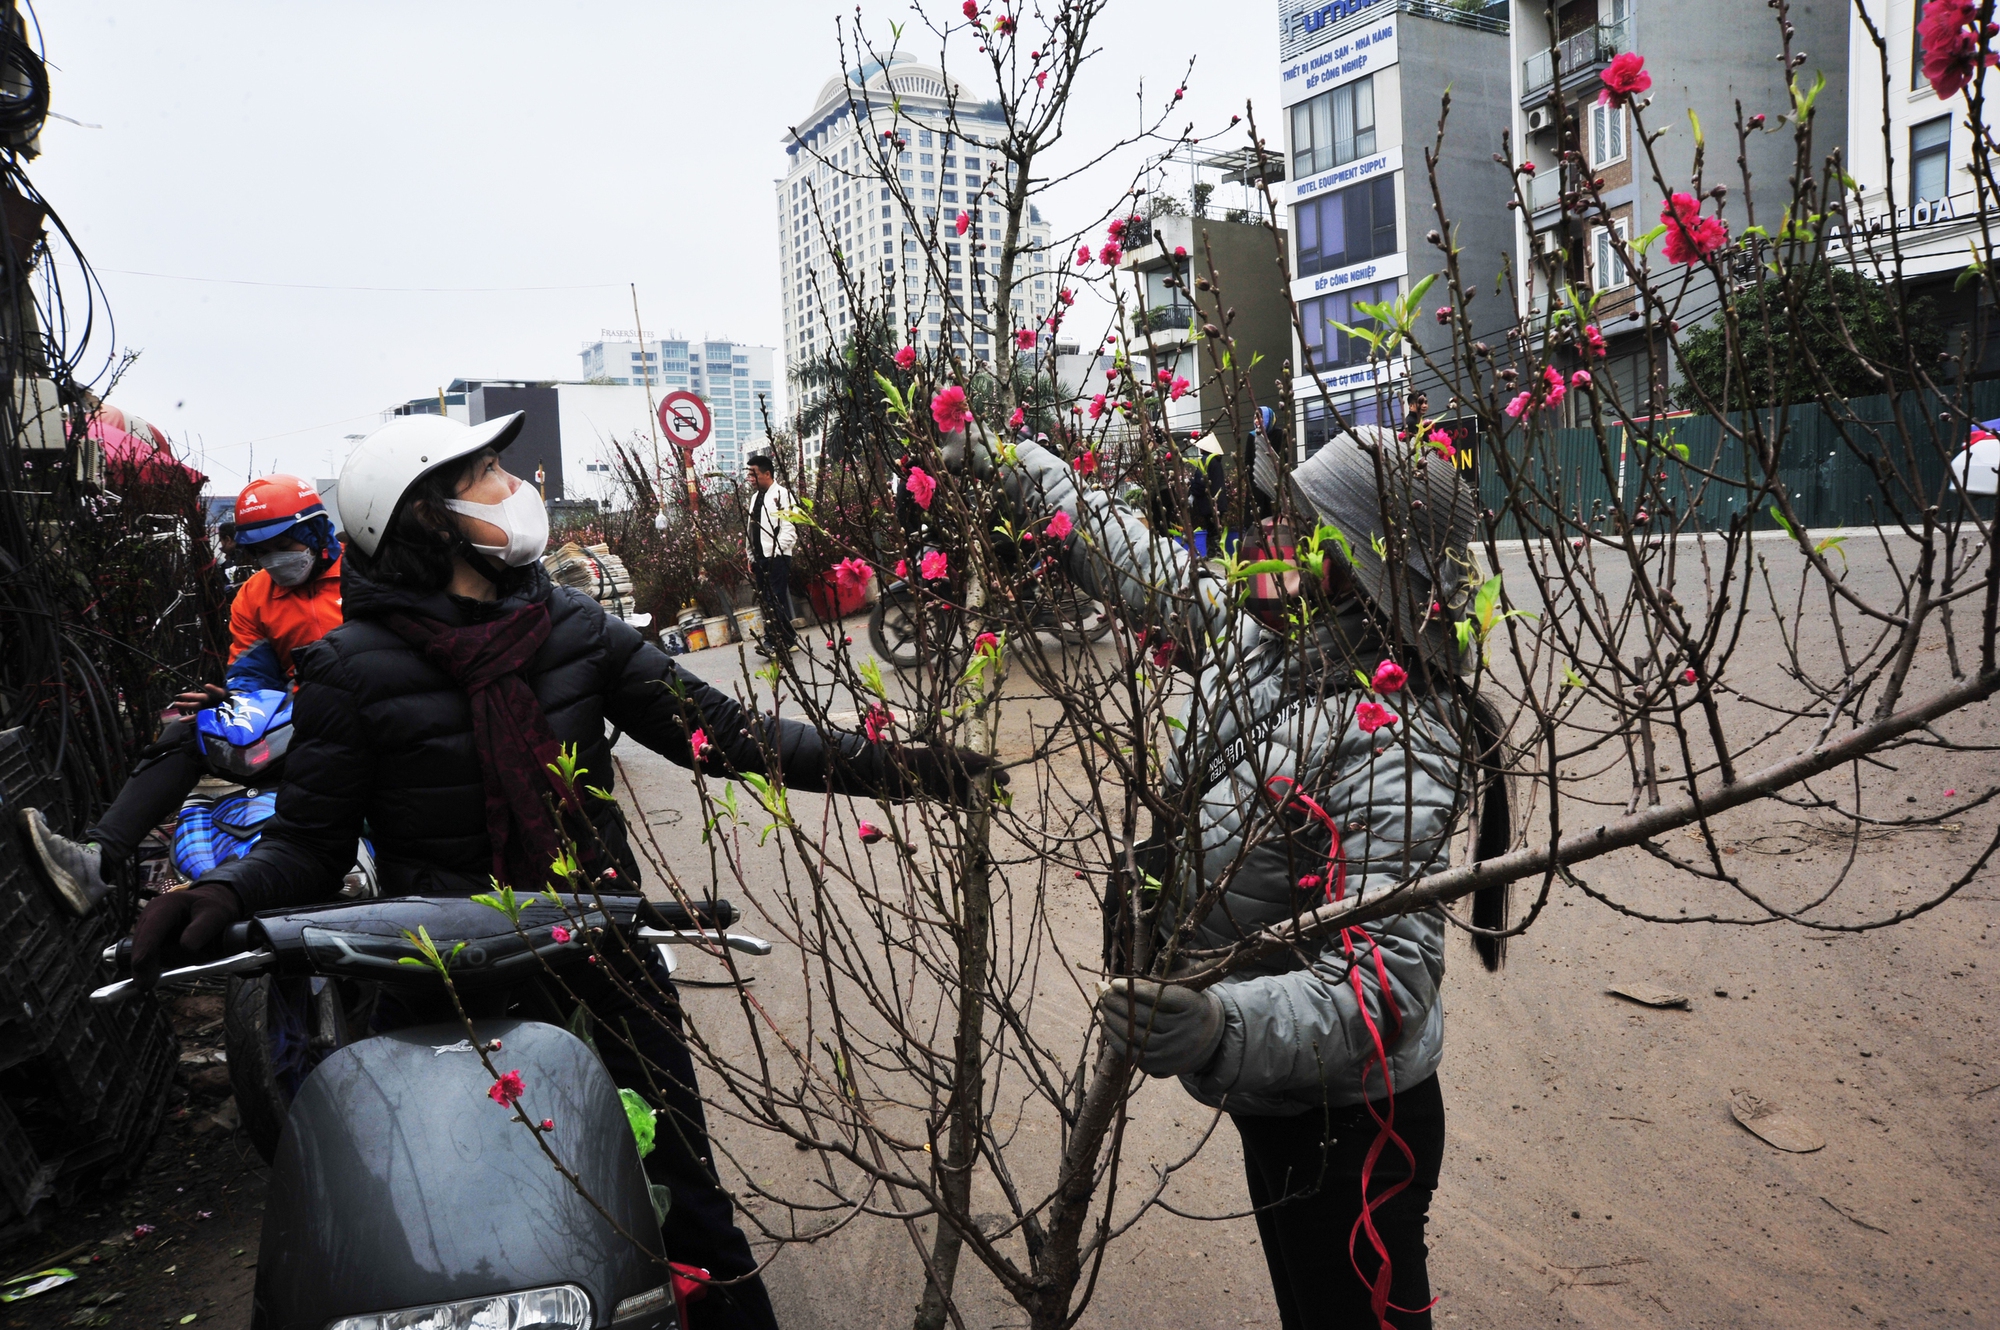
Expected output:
{"points": [[1347, 226], [951, 196], [1607, 135], [950, 178], [908, 176], [929, 177], [1327, 347], [1917, 47], [1930, 159], [1358, 409], [1607, 260], [1333, 128], [924, 140]]}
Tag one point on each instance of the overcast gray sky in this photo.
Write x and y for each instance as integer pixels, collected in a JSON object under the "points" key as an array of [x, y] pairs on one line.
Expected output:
{"points": [[473, 145]]}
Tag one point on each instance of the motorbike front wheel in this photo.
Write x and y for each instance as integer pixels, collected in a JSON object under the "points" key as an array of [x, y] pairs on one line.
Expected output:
{"points": [[892, 627], [275, 1031]]}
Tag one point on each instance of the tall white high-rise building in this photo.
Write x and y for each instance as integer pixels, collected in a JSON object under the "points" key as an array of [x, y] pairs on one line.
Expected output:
{"points": [[833, 202], [731, 378]]}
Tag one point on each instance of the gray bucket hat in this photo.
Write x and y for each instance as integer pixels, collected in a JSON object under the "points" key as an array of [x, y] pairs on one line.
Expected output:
{"points": [[1411, 532]]}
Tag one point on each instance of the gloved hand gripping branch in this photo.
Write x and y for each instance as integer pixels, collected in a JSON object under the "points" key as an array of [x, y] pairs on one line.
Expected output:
{"points": [[1165, 1029]]}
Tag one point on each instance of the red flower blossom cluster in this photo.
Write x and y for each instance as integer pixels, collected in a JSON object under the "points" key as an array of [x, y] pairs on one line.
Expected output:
{"points": [[906, 357], [506, 1091], [1953, 44], [1624, 79], [1691, 237], [949, 410]]}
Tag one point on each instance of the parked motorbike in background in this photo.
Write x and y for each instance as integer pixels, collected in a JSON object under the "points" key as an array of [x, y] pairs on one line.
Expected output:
{"points": [[1056, 606], [401, 1195]]}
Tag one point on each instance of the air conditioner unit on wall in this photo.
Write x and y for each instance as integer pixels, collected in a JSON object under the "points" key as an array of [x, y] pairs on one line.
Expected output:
{"points": [[1541, 118]]}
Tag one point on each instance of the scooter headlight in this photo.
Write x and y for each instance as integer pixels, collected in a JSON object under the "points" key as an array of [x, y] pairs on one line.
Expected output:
{"points": [[562, 1307]]}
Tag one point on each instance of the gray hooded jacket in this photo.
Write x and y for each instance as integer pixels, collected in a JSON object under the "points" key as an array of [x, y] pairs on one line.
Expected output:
{"points": [[1296, 1035]]}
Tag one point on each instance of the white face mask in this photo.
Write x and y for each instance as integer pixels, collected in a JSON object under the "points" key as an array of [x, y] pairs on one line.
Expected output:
{"points": [[521, 515], [288, 568]]}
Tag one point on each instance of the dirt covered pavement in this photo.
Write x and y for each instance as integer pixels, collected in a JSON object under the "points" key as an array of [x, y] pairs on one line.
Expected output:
{"points": [[177, 1245], [1594, 1174]]}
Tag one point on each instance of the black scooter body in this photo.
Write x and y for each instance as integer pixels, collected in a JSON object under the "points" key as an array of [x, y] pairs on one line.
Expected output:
{"points": [[400, 1183]]}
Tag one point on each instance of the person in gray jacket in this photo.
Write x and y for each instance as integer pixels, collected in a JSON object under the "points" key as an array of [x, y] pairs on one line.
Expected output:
{"points": [[1298, 792]]}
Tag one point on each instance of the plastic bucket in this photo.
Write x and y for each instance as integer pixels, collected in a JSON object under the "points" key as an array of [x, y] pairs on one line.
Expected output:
{"points": [[749, 624], [695, 637], [718, 630]]}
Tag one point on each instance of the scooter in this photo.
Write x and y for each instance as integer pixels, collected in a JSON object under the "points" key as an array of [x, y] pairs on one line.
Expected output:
{"points": [[402, 1196]]}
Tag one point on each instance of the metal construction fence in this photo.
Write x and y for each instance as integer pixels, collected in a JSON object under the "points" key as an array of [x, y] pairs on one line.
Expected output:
{"points": [[1855, 467]]}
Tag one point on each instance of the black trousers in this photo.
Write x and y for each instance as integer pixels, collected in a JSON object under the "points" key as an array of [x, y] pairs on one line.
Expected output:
{"points": [[1305, 1180], [167, 770], [774, 589], [638, 1037]]}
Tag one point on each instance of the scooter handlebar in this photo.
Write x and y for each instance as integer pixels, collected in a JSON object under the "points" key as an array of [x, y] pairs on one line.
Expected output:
{"points": [[239, 938]]}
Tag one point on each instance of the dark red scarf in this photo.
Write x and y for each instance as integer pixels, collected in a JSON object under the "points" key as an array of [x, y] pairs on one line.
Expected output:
{"points": [[510, 733]]}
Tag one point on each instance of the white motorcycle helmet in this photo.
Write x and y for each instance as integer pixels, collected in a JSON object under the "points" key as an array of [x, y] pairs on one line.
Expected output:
{"points": [[381, 470]]}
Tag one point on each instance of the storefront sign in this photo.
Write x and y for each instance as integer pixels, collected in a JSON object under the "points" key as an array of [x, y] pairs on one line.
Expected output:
{"points": [[1305, 24], [1356, 274], [1341, 60], [1336, 380], [1340, 177], [1927, 212]]}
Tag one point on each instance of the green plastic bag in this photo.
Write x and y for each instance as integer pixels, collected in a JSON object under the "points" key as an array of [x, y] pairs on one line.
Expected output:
{"points": [[640, 1114]]}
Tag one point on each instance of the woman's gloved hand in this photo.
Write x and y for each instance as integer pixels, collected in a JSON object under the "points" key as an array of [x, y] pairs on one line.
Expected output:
{"points": [[181, 928], [943, 772], [1166, 1029], [968, 452]]}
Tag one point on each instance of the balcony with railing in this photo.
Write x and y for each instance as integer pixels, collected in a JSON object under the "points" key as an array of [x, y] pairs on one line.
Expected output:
{"points": [[1581, 56], [1162, 319], [1543, 190]]}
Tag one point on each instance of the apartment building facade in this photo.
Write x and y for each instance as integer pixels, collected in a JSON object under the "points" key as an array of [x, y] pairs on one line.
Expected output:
{"points": [[737, 381], [1911, 153], [1361, 84], [1708, 56], [849, 240]]}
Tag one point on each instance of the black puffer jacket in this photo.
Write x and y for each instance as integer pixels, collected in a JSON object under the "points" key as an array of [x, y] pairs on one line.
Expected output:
{"points": [[380, 733]]}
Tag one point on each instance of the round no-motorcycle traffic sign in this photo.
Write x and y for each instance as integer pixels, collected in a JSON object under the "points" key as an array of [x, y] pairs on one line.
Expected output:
{"points": [[684, 416]]}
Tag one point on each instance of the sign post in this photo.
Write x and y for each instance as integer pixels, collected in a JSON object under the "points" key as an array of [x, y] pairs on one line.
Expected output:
{"points": [[685, 418]]}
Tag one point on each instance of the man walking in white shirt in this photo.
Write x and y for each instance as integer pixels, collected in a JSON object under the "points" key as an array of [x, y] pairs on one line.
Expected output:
{"points": [[771, 538]]}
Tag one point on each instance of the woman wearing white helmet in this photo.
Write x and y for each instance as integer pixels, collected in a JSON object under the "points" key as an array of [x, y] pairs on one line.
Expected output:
{"points": [[432, 713]]}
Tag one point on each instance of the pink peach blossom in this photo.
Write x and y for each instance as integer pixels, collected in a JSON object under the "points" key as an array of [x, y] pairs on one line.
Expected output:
{"points": [[1372, 716], [922, 486], [1060, 525], [935, 566], [506, 1091], [949, 410], [1624, 79], [906, 357]]}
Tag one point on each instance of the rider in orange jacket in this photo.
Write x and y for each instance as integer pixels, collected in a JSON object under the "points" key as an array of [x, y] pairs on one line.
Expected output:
{"points": [[293, 599], [294, 596]]}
